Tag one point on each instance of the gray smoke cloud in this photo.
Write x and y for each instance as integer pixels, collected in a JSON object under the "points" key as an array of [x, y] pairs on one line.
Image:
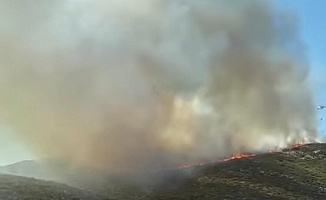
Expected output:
{"points": [[125, 85]]}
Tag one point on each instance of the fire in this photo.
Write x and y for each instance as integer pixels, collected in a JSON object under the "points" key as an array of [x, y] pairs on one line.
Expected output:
{"points": [[238, 156], [297, 145]]}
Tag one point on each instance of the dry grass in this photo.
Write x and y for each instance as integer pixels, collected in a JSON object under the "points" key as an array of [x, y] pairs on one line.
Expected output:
{"points": [[298, 173]]}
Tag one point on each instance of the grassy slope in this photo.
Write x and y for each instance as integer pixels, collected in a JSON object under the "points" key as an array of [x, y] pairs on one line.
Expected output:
{"points": [[21, 188], [299, 173]]}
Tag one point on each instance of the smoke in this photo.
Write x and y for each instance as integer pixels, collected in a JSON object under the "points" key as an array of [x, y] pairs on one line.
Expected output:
{"points": [[125, 85]]}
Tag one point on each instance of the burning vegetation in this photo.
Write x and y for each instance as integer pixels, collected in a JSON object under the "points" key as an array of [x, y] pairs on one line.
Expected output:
{"points": [[293, 173], [118, 87], [122, 86], [240, 156]]}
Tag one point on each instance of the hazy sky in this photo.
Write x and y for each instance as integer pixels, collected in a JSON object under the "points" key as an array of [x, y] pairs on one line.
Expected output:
{"points": [[312, 15], [11, 150]]}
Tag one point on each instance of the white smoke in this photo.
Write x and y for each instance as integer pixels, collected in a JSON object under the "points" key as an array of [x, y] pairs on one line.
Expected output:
{"points": [[135, 85]]}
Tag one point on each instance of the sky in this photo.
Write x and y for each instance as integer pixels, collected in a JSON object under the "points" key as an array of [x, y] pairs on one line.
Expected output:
{"points": [[11, 149], [313, 33], [311, 15]]}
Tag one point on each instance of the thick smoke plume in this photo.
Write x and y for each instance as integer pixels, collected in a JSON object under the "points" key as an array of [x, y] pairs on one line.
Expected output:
{"points": [[126, 85]]}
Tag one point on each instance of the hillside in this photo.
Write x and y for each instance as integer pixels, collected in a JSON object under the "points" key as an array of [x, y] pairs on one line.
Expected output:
{"points": [[296, 173], [47, 169], [21, 188], [27, 168]]}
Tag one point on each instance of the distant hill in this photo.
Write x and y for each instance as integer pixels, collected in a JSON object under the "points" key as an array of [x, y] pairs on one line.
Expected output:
{"points": [[28, 168], [47, 169], [295, 173], [22, 188]]}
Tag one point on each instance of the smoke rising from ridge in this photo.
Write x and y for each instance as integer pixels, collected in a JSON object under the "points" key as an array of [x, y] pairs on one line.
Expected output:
{"points": [[130, 85]]}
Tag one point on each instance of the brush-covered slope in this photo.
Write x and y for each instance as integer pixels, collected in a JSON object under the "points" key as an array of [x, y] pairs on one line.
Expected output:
{"points": [[297, 173], [22, 188]]}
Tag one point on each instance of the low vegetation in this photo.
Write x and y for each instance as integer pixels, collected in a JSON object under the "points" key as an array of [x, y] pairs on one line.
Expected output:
{"points": [[22, 188], [296, 173]]}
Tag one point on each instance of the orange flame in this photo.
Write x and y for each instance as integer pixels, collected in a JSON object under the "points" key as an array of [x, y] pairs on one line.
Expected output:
{"points": [[236, 156]]}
